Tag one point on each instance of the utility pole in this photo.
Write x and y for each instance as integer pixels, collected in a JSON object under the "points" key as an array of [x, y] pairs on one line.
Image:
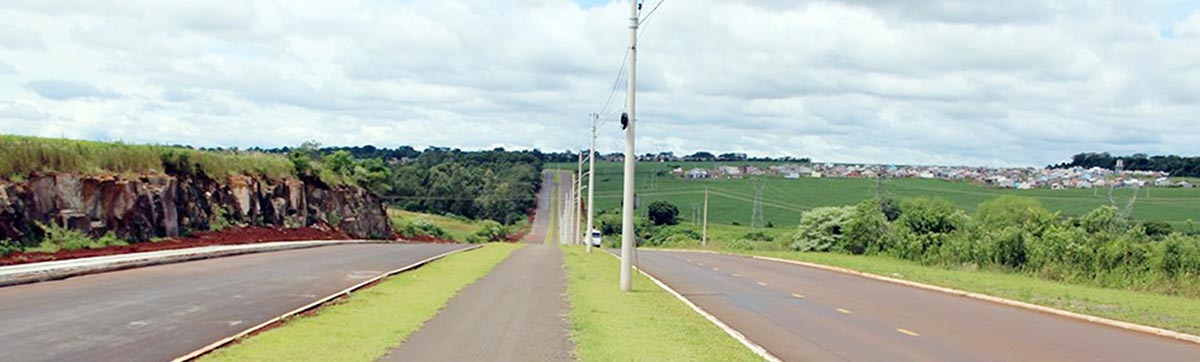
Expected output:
{"points": [[628, 236], [704, 229], [578, 199], [591, 209]]}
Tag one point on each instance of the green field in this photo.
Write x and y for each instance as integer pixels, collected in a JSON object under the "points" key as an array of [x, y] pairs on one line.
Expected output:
{"points": [[784, 200]]}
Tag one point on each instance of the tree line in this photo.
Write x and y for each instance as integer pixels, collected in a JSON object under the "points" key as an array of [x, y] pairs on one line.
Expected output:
{"points": [[495, 185], [1175, 165]]}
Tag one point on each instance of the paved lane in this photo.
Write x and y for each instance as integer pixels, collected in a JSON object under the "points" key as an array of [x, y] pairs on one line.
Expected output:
{"points": [[159, 313], [804, 314], [550, 194]]}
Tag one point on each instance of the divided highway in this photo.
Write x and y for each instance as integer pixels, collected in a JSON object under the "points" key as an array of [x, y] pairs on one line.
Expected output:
{"points": [[163, 312], [804, 314]]}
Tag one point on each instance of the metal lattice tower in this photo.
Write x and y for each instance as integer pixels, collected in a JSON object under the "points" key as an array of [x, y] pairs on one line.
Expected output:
{"points": [[756, 214]]}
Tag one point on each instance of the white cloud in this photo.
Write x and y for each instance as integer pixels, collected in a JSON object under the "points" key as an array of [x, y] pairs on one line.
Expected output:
{"points": [[1013, 82]]}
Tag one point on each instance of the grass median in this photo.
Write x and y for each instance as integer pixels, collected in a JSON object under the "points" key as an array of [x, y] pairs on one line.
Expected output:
{"points": [[1171, 312], [372, 321], [647, 324]]}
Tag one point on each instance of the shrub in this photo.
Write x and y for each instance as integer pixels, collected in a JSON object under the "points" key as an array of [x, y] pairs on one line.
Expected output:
{"points": [[821, 228], [1104, 219], [422, 227], [1180, 256], [9, 247], [491, 231], [1157, 228], [663, 213], [866, 229], [924, 225]]}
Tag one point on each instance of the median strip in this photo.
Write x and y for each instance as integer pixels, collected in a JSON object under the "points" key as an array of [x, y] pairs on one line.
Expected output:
{"points": [[365, 325]]}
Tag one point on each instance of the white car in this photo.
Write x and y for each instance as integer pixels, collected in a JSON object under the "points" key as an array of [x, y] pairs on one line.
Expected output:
{"points": [[596, 238]]}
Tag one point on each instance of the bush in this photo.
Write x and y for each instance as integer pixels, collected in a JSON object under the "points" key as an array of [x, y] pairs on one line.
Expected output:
{"points": [[924, 225], [663, 213], [1157, 228], [422, 227], [9, 247], [821, 228], [867, 228], [59, 238], [491, 231]]}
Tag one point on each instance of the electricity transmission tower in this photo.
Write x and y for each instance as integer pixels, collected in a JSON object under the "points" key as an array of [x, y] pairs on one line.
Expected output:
{"points": [[756, 214]]}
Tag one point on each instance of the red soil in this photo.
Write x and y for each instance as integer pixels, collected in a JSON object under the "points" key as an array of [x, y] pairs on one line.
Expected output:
{"points": [[244, 235]]}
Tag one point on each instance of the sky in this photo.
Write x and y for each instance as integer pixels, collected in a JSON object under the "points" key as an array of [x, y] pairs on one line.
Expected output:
{"points": [[998, 83]]}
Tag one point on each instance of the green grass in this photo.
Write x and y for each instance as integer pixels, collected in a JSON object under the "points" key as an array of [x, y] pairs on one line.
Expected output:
{"points": [[21, 157], [647, 324], [374, 320], [783, 200], [1170, 312]]}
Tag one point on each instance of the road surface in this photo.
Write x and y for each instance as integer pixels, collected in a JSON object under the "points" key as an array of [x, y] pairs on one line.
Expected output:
{"points": [[515, 313], [805, 314], [546, 204], [163, 312]]}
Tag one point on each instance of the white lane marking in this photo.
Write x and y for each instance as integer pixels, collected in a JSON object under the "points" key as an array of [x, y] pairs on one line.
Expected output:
{"points": [[233, 323], [844, 311], [762, 284], [798, 296], [716, 269], [736, 275], [908, 332]]}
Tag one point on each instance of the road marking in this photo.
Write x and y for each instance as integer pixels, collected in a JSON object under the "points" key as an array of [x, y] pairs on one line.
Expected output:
{"points": [[843, 311], [700, 264], [908, 332], [798, 296], [716, 269], [736, 275], [762, 284]]}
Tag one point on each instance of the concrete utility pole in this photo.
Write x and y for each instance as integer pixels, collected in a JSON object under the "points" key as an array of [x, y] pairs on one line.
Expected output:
{"points": [[578, 200], [704, 229], [628, 236], [591, 209]]}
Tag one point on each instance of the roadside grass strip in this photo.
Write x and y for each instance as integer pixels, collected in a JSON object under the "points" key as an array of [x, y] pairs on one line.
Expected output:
{"points": [[370, 322], [647, 324], [1175, 313]]}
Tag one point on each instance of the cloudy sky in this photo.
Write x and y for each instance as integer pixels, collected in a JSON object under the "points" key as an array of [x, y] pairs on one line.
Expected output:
{"points": [[1016, 82]]}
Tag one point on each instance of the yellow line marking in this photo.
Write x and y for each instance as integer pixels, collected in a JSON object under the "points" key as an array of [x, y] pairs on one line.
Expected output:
{"points": [[762, 284], [908, 332], [798, 296], [843, 311]]}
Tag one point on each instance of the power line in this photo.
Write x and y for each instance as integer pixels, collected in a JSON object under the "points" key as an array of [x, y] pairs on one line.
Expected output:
{"points": [[645, 21]]}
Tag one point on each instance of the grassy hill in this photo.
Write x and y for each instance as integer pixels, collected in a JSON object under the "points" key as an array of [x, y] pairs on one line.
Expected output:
{"points": [[784, 200]]}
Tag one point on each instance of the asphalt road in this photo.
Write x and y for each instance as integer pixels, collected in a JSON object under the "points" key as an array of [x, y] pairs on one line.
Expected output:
{"points": [[163, 312], [545, 201], [805, 314], [515, 313]]}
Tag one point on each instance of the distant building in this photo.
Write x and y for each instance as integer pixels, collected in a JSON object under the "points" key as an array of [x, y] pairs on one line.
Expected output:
{"points": [[697, 174]]}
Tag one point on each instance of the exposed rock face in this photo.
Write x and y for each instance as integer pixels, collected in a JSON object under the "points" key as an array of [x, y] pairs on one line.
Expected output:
{"points": [[166, 206]]}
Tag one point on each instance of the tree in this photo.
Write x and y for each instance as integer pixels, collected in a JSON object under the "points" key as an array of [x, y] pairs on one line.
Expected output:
{"points": [[663, 213]]}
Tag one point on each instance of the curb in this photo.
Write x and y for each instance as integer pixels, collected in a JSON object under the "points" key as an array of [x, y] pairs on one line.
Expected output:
{"points": [[64, 272], [754, 347], [977, 296], [319, 302]]}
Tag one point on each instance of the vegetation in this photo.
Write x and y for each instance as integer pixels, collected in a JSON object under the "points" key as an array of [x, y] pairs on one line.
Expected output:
{"points": [[663, 213], [1175, 165], [59, 238], [784, 200], [21, 157], [647, 324], [494, 185], [1017, 234], [366, 325]]}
